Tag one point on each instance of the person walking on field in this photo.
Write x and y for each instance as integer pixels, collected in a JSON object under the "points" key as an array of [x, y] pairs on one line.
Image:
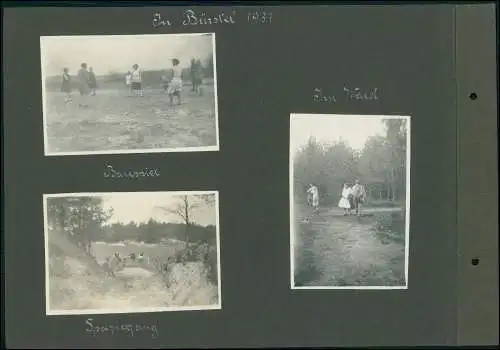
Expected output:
{"points": [[92, 81], [175, 85], [313, 195], [128, 81], [344, 202], [83, 85], [66, 85], [192, 71], [137, 81], [196, 75], [199, 77], [164, 83]]}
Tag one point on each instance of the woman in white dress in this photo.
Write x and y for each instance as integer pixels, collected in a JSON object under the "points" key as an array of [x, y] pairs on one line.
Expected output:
{"points": [[344, 200], [175, 86]]}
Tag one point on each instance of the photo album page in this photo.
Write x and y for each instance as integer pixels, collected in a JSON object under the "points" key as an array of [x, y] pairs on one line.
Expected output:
{"points": [[234, 176]]}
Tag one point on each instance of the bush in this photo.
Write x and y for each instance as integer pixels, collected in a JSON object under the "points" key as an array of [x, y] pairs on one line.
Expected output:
{"points": [[195, 253], [390, 227]]}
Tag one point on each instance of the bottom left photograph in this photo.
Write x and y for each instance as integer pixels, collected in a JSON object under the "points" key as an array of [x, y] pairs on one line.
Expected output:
{"points": [[131, 252]]}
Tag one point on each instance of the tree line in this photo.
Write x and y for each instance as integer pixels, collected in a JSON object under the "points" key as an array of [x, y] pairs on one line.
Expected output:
{"points": [[85, 221], [155, 232], [380, 166], [149, 77]]}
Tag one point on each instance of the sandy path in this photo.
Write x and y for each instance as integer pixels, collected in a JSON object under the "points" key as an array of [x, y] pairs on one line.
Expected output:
{"points": [[333, 250]]}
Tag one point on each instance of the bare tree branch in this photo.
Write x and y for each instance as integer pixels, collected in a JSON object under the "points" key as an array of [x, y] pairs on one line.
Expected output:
{"points": [[183, 209]]}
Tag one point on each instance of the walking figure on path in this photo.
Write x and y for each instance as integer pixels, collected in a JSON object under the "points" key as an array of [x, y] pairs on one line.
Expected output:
{"points": [[344, 202], [358, 196], [313, 197]]}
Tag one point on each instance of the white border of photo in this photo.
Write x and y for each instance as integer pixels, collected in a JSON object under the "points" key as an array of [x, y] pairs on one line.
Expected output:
{"points": [[49, 312], [293, 116], [213, 148]]}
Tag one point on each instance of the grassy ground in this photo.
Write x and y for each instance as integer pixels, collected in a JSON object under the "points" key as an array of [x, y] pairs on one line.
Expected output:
{"points": [[334, 250], [117, 120], [73, 287]]}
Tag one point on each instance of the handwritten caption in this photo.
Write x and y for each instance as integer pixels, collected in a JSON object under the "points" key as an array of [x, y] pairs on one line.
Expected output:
{"points": [[110, 172], [353, 94], [191, 17], [123, 329]]}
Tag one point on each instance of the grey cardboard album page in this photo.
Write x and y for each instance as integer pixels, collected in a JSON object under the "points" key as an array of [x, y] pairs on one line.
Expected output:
{"points": [[240, 176]]}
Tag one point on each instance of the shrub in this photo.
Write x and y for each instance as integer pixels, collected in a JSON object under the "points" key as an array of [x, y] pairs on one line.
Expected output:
{"points": [[203, 253], [390, 227]]}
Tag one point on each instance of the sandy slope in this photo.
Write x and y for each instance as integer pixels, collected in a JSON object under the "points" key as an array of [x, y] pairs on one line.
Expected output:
{"points": [[74, 287]]}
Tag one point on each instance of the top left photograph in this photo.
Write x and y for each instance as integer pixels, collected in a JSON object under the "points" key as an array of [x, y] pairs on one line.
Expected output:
{"points": [[119, 94]]}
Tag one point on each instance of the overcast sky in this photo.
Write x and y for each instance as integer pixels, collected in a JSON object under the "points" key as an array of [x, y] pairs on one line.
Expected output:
{"points": [[353, 129], [119, 53], [140, 207]]}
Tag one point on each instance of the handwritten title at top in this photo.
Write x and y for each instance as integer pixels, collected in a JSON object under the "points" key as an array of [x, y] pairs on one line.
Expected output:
{"points": [[191, 17]]}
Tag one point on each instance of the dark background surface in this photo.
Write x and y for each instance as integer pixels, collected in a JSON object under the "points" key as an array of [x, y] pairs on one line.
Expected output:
{"points": [[265, 72]]}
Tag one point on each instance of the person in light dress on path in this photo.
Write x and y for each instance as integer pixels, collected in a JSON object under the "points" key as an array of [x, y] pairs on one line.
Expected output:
{"points": [[344, 202]]}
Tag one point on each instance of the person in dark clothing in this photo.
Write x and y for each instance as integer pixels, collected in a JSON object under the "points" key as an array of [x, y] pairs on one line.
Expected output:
{"points": [[92, 81], [66, 85], [83, 85]]}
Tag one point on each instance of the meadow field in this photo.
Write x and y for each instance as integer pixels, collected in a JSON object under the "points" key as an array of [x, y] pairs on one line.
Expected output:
{"points": [[116, 120]]}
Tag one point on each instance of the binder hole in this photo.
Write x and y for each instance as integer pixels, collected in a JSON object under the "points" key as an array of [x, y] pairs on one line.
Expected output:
{"points": [[475, 262], [473, 96]]}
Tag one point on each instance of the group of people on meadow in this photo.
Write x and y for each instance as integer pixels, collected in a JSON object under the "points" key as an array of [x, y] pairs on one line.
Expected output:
{"points": [[86, 81], [351, 199], [173, 86]]}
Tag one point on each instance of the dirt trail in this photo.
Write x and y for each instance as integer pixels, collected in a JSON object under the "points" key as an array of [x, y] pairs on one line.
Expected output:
{"points": [[337, 250]]}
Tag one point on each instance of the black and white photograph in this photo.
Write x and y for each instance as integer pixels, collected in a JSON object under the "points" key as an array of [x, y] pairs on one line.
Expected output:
{"points": [[349, 201], [131, 252], [114, 94]]}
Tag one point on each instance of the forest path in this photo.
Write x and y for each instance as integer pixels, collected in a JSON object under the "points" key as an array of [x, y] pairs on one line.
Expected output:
{"points": [[336, 250]]}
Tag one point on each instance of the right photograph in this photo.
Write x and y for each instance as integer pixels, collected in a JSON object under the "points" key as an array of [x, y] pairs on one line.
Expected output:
{"points": [[349, 201]]}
